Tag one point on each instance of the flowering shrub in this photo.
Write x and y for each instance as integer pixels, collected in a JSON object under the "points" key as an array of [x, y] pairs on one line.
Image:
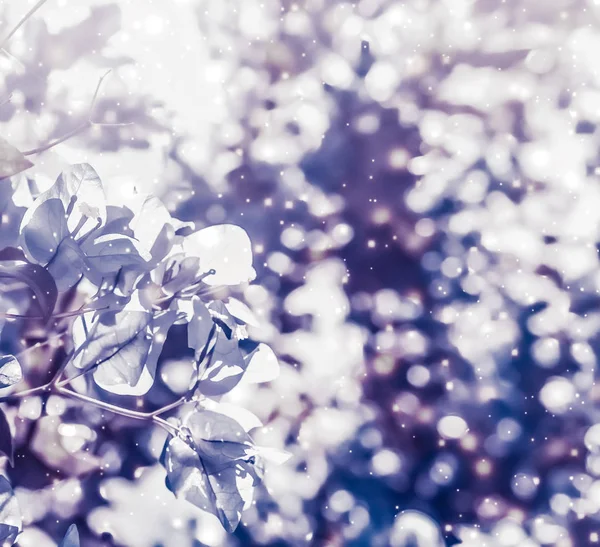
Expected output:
{"points": [[107, 284]]}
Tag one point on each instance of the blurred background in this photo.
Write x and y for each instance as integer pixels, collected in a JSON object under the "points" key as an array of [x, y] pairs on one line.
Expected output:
{"points": [[420, 182]]}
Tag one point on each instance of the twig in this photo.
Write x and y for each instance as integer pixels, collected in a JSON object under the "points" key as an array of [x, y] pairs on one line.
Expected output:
{"points": [[41, 344], [203, 357], [175, 404], [7, 100], [81, 128], [81, 373], [58, 387], [101, 404], [93, 103], [134, 414], [162, 410], [73, 313], [58, 373], [53, 143], [26, 393], [11, 57], [21, 22]]}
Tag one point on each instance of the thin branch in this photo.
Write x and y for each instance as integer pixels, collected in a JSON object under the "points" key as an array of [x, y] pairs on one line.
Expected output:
{"points": [[73, 313], [56, 382], [175, 404], [197, 284], [50, 387], [7, 100], [203, 357], [81, 128], [82, 372], [93, 103], [21, 22], [134, 414], [53, 143], [171, 429], [162, 410], [57, 375], [11, 57], [39, 345], [25, 393], [108, 124]]}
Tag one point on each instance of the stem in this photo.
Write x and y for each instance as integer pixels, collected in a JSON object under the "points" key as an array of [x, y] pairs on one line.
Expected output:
{"points": [[26, 392], [82, 372], [193, 288], [175, 404], [93, 103], [41, 344], [202, 357], [101, 404], [134, 414], [171, 406], [57, 387], [21, 22], [171, 429], [55, 382], [56, 377], [7, 100], [54, 316], [88, 123], [209, 291], [52, 144]]}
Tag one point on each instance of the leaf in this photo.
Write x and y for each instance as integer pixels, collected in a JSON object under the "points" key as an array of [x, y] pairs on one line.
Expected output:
{"points": [[106, 254], [10, 514], [218, 474], [36, 278], [262, 366], [199, 326], [273, 455], [57, 231], [241, 415], [12, 161], [226, 249], [180, 274], [152, 226], [43, 229], [10, 371], [46, 239], [10, 213], [219, 438], [8, 534], [81, 184], [226, 369], [159, 328], [71, 538], [6, 439], [225, 320], [452, 539], [109, 301], [67, 265], [117, 343], [240, 311]]}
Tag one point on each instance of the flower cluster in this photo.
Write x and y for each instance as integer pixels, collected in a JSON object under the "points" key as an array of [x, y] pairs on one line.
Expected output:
{"points": [[113, 282]]}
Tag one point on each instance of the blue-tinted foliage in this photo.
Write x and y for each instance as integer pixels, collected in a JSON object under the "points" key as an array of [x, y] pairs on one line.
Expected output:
{"points": [[10, 514], [6, 441], [10, 371], [12, 161], [71, 538], [213, 465], [35, 277], [134, 277]]}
